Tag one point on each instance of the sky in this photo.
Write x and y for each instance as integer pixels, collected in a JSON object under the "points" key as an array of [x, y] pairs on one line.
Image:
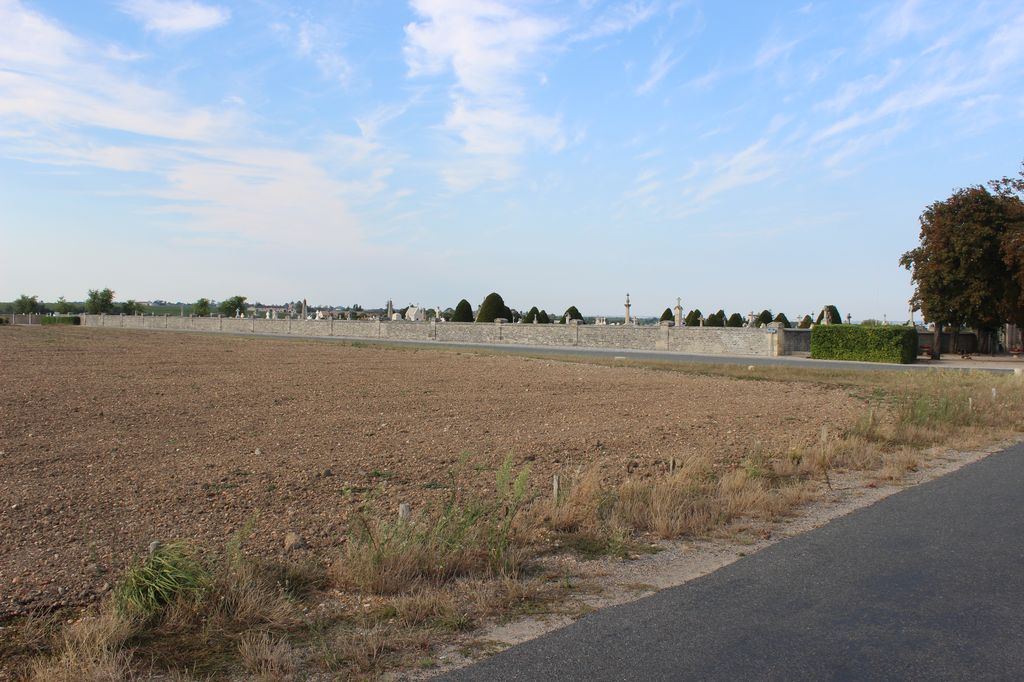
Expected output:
{"points": [[738, 155]]}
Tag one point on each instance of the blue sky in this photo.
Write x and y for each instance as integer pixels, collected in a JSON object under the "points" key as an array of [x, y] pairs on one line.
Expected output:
{"points": [[738, 155]]}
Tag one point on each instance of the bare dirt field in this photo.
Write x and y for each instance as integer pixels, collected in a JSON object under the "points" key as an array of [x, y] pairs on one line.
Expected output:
{"points": [[112, 439]]}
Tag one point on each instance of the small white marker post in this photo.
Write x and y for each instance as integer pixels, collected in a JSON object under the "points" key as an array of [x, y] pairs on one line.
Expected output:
{"points": [[404, 511], [555, 487]]}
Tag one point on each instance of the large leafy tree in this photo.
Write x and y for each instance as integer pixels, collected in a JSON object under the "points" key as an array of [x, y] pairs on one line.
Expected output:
{"points": [[1011, 196], [959, 270], [201, 307], [230, 307], [26, 304], [463, 312], [132, 307], [99, 301]]}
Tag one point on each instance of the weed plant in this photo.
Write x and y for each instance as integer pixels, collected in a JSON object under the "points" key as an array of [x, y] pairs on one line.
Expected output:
{"points": [[169, 573]]}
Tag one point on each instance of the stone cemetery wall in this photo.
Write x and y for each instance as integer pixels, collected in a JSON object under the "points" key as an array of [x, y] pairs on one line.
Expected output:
{"points": [[721, 341], [699, 340]]}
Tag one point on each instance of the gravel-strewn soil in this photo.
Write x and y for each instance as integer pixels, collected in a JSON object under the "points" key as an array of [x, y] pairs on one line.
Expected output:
{"points": [[111, 439]]}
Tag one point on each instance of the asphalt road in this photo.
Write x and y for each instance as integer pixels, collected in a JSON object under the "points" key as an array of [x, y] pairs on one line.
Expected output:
{"points": [[927, 584]]}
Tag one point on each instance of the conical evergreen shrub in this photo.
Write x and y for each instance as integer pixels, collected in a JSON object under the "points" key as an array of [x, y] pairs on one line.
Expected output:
{"points": [[463, 312]]}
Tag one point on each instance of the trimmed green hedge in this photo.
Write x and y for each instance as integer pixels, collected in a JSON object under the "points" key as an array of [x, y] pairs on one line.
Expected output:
{"points": [[74, 319], [869, 344]]}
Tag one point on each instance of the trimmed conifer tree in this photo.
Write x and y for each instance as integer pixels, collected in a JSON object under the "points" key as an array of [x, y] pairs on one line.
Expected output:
{"points": [[833, 315], [531, 316], [782, 321], [693, 318], [764, 318], [667, 316], [806, 322], [463, 312], [572, 314], [491, 309], [543, 317], [735, 320]]}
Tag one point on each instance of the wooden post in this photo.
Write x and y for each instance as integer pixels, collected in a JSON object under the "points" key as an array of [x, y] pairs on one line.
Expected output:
{"points": [[404, 511], [555, 487]]}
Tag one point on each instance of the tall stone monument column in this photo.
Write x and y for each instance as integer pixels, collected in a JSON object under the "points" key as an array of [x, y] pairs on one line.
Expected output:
{"points": [[679, 312], [628, 318]]}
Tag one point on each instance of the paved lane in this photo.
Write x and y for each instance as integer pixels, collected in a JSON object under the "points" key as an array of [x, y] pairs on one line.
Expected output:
{"points": [[927, 584]]}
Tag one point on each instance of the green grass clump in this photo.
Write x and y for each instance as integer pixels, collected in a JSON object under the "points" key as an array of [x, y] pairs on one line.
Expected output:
{"points": [[168, 573]]}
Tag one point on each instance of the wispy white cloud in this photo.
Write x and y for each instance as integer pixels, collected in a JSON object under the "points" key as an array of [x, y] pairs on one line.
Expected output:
{"points": [[899, 20], [973, 53], [853, 91], [621, 17], [720, 174], [198, 163], [645, 185], [120, 54], [1006, 45], [850, 149], [27, 38], [705, 80], [772, 50], [313, 41], [659, 68], [488, 46], [175, 16]]}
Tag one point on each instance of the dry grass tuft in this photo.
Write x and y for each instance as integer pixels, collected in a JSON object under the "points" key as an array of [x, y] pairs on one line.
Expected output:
{"points": [[696, 500], [91, 649], [267, 658], [476, 537], [368, 651]]}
